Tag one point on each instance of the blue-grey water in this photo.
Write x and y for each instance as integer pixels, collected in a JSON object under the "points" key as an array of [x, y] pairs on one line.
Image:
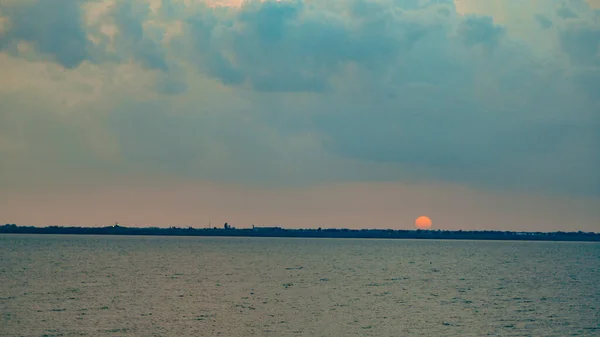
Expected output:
{"points": [[178, 286]]}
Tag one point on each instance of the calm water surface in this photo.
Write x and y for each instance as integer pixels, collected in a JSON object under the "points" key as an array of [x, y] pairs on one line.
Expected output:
{"points": [[174, 286]]}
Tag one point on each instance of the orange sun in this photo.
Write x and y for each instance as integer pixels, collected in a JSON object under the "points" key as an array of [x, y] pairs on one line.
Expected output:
{"points": [[423, 222]]}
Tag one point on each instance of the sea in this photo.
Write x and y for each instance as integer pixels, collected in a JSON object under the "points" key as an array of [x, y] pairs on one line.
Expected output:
{"points": [[62, 285]]}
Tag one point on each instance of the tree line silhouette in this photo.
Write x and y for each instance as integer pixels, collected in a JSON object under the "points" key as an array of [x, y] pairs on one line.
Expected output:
{"points": [[228, 230]]}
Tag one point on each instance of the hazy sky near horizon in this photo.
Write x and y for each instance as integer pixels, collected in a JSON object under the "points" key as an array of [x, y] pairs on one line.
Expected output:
{"points": [[354, 113]]}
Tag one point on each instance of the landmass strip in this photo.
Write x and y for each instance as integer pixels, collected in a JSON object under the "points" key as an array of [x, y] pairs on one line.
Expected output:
{"points": [[228, 230]]}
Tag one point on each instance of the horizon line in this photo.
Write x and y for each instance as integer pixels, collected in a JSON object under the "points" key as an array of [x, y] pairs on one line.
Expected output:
{"points": [[280, 227]]}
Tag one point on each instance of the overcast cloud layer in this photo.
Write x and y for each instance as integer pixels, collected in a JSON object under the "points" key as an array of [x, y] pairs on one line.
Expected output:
{"points": [[301, 92]]}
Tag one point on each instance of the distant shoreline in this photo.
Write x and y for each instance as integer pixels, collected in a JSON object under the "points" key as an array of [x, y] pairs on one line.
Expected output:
{"points": [[308, 233]]}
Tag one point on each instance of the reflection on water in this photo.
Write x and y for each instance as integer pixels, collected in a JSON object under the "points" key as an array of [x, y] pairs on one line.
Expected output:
{"points": [[174, 286]]}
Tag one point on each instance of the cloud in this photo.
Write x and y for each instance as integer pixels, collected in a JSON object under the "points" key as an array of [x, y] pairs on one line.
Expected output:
{"points": [[304, 92], [544, 22], [54, 27], [565, 12], [129, 17], [57, 29], [269, 47], [580, 40], [290, 47], [476, 30]]}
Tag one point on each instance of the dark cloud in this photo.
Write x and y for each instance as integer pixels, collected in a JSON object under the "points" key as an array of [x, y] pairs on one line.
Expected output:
{"points": [[406, 84], [457, 140], [565, 12], [580, 40], [129, 17], [54, 27], [290, 47], [480, 30], [543, 21], [271, 50]]}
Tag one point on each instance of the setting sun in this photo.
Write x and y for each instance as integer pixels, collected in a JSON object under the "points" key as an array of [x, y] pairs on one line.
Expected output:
{"points": [[423, 222]]}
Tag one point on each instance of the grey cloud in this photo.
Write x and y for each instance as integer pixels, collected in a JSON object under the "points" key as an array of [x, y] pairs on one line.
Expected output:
{"points": [[269, 20], [53, 147], [223, 144], [480, 30], [456, 140], [162, 137], [543, 21], [171, 83], [273, 52], [409, 85], [55, 27], [581, 41], [284, 46], [565, 12], [129, 17], [441, 127]]}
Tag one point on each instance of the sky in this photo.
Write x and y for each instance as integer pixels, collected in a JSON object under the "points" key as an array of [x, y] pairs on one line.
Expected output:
{"points": [[301, 113]]}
